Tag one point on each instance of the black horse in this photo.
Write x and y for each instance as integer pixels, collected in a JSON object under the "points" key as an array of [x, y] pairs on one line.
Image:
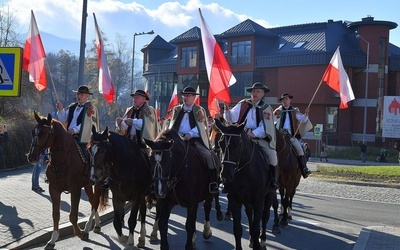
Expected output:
{"points": [[247, 178], [129, 171], [180, 178]]}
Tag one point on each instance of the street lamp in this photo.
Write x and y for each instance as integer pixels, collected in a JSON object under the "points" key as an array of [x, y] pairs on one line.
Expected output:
{"points": [[366, 87], [133, 53]]}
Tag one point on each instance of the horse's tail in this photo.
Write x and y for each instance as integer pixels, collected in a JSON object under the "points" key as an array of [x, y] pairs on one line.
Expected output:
{"points": [[103, 199]]}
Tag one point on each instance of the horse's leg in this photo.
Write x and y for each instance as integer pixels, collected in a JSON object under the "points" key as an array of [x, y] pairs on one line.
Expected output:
{"points": [[142, 235], [165, 212], [275, 205], [290, 204], [265, 217], [235, 208], [190, 226], [118, 216], [228, 214], [207, 233], [94, 201], [285, 204], [55, 203], [258, 208], [249, 213], [132, 221], [153, 235], [73, 215], [220, 217]]}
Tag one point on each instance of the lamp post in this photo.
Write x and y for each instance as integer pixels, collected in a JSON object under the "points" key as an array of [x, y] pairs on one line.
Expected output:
{"points": [[366, 87], [133, 53]]}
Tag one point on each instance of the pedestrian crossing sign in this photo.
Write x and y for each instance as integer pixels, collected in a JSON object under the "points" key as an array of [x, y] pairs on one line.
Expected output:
{"points": [[10, 71]]}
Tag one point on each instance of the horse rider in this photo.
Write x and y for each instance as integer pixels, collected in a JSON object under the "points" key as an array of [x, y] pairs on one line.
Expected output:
{"points": [[190, 120], [138, 123], [258, 115], [79, 117], [296, 124]]}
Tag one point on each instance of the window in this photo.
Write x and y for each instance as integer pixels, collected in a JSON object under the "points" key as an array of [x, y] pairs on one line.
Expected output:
{"points": [[298, 45], [189, 57], [331, 119], [281, 45], [241, 52]]}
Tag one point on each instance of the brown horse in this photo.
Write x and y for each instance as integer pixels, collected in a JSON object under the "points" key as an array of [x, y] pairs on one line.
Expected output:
{"points": [[289, 174], [66, 172]]}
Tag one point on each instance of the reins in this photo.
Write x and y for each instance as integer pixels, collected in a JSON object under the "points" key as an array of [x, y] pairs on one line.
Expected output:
{"points": [[227, 137]]}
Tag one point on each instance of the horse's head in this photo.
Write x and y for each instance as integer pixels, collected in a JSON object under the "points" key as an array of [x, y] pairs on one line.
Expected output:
{"points": [[231, 144], [161, 160], [99, 153], [42, 137]]}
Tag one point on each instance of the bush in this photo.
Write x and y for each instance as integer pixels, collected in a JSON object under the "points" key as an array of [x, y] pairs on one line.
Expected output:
{"points": [[354, 153]]}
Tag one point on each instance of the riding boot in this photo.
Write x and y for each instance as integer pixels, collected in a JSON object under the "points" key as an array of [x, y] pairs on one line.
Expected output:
{"points": [[302, 163], [213, 186], [274, 177]]}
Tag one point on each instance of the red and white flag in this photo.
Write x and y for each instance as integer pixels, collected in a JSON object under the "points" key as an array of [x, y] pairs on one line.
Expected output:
{"points": [[174, 100], [106, 86], [213, 106], [146, 87], [34, 55], [197, 100], [157, 108], [219, 73], [336, 77]]}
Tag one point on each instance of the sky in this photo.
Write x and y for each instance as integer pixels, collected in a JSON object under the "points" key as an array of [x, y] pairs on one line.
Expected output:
{"points": [[169, 19]]}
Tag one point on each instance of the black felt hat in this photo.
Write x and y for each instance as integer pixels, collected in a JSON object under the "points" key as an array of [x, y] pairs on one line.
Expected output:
{"points": [[285, 95], [258, 85], [83, 89], [141, 93], [189, 91]]}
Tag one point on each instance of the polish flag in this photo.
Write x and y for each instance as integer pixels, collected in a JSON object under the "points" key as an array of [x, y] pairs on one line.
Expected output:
{"points": [[106, 86], [219, 73], [157, 108], [174, 100], [197, 100], [34, 55], [146, 87], [336, 77], [213, 106]]}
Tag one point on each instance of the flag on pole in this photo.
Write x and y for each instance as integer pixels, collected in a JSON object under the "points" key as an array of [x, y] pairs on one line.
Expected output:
{"points": [[218, 71], [34, 55], [157, 108], [146, 87], [336, 77], [213, 106], [197, 100], [106, 86], [174, 100]]}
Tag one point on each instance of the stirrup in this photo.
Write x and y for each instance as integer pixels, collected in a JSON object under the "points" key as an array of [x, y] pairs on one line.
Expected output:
{"points": [[274, 185], [305, 173]]}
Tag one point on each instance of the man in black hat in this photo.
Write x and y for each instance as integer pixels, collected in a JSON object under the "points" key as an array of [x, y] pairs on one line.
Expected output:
{"points": [[258, 115], [190, 120], [139, 120], [296, 124], [79, 116]]}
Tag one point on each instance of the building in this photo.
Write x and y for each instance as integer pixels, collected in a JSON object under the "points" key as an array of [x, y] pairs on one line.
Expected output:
{"points": [[291, 59]]}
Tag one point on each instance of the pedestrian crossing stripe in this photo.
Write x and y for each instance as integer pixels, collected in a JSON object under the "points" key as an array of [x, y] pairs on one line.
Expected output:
{"points": [[10, 71]]}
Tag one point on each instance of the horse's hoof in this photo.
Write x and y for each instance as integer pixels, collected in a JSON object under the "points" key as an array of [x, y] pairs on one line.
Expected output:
{"points": [[207, 235], [123, 239], [276, 229], [85, 236], [154, 238], [141, 243], [49, 246], [220, 217], [289, 218], [97, 230], [283, 224]]}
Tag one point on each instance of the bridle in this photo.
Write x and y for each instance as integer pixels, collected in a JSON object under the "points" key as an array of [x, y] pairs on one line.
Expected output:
{"points": [[226, 152], [35, 136], [107, 162], [158, 169]]}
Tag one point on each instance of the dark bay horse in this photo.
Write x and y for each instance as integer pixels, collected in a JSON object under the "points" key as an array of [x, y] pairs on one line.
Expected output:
{"points": [[180, 178], [289, 174], [129, 171], [66, 172], [247, 178]]}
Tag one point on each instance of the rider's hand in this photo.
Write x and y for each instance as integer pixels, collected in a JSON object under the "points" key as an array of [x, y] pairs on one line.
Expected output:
{"points": [[251, 135], [187, 137], [59, 105], [306, 111], [119, 120], [71, 131], [128, 121]]}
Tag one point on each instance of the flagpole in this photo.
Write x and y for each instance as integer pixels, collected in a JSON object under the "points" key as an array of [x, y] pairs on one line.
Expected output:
{"points": [[309, 104], [52, 81]]}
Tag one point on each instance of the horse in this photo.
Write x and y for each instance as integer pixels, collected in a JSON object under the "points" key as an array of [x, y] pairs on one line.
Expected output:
{"points": [[66, 172], [247, 178], [289, 174], [129, 170], [180, 177]]}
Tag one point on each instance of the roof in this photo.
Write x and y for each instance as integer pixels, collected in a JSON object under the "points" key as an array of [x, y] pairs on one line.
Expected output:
{"points": [[157, 43], [194, 34], [247, 27]]}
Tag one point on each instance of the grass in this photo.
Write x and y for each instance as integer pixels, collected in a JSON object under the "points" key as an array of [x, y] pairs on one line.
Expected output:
{"points": [[385, 174]]}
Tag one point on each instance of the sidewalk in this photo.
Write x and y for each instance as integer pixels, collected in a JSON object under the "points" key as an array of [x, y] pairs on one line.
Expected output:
{"points": [[25, 216]]}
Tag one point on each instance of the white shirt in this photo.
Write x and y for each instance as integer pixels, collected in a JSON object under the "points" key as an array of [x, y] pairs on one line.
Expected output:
{"points": [[251, 120], [184, 127], [62, 116], [299, 116]]}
